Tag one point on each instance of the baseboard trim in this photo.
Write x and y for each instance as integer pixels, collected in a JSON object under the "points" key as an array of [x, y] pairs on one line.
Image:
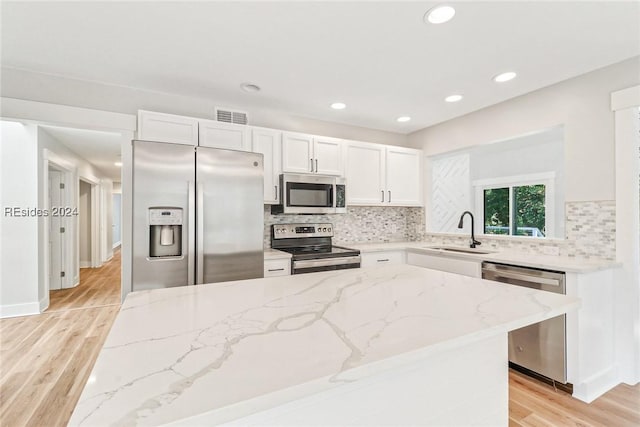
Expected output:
{"points": [[85, 264], [17, 310], [44, 303], [596, 385], [115, 245]]}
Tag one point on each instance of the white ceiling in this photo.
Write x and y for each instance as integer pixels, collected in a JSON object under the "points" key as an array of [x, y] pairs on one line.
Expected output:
{"points": [[102, 149], [380, 58]]}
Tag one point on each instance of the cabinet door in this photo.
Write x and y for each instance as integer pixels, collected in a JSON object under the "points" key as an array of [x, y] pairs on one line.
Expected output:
{"points": [[297, 153], [382, 258], [162, 127], [269, 143], [229, 136], [365, 174], [443, 263], [403, 176], [327, 154], [277, 267]]}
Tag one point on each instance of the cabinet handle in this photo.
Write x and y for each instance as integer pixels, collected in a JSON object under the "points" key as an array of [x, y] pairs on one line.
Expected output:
{"points": [[311, 160], [383, 260], [276, 269], [382, 191], [389, 196], [316, 165], [276, 187]]}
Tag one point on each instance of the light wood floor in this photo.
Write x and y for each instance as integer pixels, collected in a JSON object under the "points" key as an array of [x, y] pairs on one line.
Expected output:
{"points": [[98, 287], [532, 403], [46, 360]]}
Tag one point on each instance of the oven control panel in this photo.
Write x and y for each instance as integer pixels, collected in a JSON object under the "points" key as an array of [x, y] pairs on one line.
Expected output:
{"points": [[292, 231]]}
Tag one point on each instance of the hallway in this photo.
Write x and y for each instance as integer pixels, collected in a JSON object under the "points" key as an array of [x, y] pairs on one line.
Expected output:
{"points": [[98, 287], [47, 358]]}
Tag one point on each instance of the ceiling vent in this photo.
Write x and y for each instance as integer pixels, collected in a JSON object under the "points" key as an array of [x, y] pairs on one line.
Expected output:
{"points": [[231, 116]]}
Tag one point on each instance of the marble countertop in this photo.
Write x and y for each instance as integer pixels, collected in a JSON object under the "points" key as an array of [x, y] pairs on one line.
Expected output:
{"points": [[275, 254], [230, 349], [549, 262]]}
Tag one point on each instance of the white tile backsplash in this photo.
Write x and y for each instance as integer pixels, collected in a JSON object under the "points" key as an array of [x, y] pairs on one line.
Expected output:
{"points": [[590, 230], [361, 224]]}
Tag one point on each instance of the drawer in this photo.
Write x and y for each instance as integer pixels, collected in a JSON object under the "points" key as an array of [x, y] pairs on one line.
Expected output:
{"points": [[383, 258], [277, 267]]}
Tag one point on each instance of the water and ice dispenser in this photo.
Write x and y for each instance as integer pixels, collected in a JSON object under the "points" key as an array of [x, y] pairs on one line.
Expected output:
{"points": [[165, 232]]}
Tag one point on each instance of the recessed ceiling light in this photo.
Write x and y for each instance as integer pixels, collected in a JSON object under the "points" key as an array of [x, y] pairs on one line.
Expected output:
{"points": [[403, 119], [504, 77], [250, 87], [338, 106], [119, 164], [453, 98], [439, 14]]}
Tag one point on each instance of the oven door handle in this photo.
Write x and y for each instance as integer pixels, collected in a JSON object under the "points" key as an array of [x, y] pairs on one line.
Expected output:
{"points": [[326, 262]]}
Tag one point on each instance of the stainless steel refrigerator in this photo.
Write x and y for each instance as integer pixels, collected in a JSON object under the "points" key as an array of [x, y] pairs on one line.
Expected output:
{"points": [[197, 215]]}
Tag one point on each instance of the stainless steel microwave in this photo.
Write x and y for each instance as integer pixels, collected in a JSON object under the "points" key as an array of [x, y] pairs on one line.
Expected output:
{"points": [[311, 194]]}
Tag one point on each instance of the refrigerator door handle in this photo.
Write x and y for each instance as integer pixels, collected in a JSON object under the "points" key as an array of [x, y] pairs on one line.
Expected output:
{"points": [[191, 212], [200, 235]]}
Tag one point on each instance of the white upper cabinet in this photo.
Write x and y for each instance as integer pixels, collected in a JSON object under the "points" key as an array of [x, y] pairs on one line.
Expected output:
{"points": [[404, 176], [162, 127], [297, 153], [379, 175], [215, 134], [269, 143], [327, 155], [304, 153], [365, 173]]}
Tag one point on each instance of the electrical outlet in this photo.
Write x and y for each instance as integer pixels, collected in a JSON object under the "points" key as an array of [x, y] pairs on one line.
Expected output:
{"points": [[551, 250]]}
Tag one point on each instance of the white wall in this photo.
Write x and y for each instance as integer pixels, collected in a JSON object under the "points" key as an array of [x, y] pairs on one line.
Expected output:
{"points": [[117, 216], [18, 235], [84, 224], [581, 104], [58, 90]]}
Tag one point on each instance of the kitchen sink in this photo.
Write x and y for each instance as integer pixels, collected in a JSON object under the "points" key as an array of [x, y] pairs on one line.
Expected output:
{"points": [[460, 250]]}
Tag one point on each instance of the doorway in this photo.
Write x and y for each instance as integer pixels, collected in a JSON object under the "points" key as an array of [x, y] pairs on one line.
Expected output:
{"points": [[85, 224]]}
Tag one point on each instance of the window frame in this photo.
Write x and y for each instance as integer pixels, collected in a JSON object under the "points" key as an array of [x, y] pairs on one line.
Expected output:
{"points": [[547, 179]]}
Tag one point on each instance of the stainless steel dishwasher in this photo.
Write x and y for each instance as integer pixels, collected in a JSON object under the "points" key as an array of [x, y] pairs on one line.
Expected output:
{"points": [[541, 347]]}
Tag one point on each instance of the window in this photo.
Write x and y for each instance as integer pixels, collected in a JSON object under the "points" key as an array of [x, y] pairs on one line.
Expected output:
{"points": [[516, 206], [525, 204]]}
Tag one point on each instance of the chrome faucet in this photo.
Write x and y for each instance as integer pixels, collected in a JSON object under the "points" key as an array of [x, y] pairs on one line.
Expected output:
{"points": [[473, 242]]}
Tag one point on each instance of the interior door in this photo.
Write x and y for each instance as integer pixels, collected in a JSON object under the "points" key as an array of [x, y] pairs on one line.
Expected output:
{"points": [[56, 255]]}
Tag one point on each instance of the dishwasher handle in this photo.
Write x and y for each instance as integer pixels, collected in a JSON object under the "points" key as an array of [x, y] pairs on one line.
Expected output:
{"points": [[555, 280]]}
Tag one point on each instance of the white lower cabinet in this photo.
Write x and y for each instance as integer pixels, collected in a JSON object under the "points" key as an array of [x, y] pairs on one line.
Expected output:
{"points": [[382, 258], [277, 267], [451, 265]]}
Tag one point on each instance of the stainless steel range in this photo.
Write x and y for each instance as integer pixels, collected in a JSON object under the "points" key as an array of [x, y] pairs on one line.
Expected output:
{"points": [[311, 248]]}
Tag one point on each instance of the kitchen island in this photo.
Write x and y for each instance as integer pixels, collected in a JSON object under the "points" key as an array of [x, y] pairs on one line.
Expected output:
{"points": [[380, 345]]}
